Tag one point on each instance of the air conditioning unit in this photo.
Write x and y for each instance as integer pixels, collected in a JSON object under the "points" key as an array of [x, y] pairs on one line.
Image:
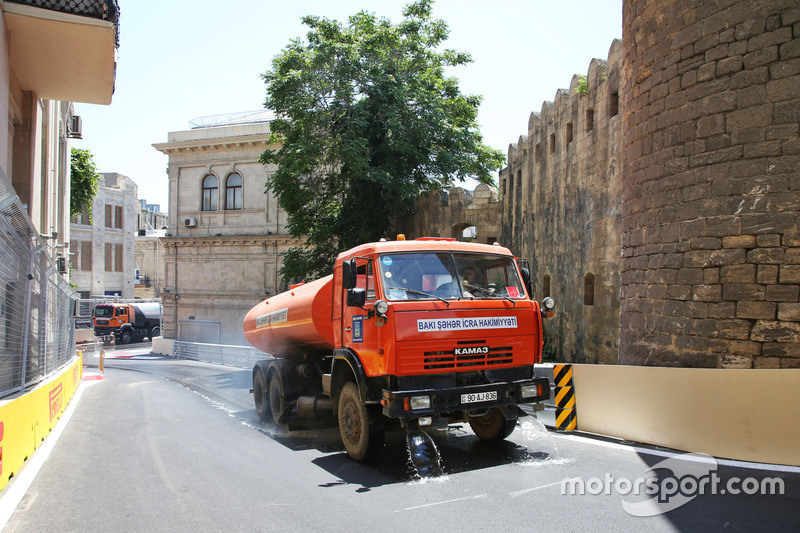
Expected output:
{"points": [[190, 222], [75, 128]]}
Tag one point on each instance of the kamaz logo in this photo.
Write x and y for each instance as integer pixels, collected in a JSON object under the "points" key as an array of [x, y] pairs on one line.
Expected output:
{"points": [[471, 350]]}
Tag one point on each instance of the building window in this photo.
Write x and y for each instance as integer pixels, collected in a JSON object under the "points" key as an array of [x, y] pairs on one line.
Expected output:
{"points": [[80, 257], [588, 289], [210, 193], [233, 191], [113, 216], [546, 286], [568, 135], [82, 217], [613, 104], [589, 119], [552, 143], [113, 259], [537, 154]]}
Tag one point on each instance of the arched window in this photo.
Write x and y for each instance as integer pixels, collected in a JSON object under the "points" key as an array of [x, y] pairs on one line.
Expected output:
{"points": [[233, 191], [210, 193], [588, 289], [546, 286]]}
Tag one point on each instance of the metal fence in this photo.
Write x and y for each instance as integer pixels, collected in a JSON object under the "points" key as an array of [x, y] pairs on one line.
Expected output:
{"points": [[221, 354], [37, 305]]}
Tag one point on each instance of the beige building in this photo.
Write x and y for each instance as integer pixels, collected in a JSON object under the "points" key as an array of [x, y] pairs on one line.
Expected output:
{"points": [[225, 236], [102, 250]]}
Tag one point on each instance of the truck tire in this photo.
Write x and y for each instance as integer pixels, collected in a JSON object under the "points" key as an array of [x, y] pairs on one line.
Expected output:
{"points": [[261, 397], [125, 337], [155, 332], [492, 426], [360, 425], [276, 402]]}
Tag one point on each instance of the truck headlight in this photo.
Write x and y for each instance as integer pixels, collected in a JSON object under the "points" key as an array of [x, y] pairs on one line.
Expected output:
{"points": [[381, 306], [420, 402], [529, 391], [548, 303]]}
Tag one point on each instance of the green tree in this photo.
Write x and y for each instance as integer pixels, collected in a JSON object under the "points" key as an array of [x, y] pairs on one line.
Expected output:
{"points": [[83, 181], [367, 119]]}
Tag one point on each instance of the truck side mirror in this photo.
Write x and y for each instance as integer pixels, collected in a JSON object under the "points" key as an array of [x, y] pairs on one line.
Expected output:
{"points": [[526, 279], [349, 275], [356, 297]]}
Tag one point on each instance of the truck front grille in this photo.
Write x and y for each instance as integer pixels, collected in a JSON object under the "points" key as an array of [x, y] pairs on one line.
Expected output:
{"points": [[447, 359]]}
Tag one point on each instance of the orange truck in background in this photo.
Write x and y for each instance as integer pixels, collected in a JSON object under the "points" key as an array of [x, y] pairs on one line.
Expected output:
{"points": [[423, 333], [128, 322]]}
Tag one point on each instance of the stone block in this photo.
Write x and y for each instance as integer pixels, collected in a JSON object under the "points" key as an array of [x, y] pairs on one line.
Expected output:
{"points": [[767, 362], [792, 256], [734, 329], [789, 311], [790, 274], [722, 310], [756, 310], [780, 349], [707, 293], [775, 331], [782, 293], [744, 273], [739, 241], [690, 276], [743, 291], [710, 276], [696, 309], [768, 256], [767, 274], [735, 361], [768, 241], [706, 243]]}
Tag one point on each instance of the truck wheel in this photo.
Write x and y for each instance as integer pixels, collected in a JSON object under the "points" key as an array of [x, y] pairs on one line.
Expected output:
{"points": [[261, 397], [155, 332], [360, 426], [493, 425], [276, 402], [125, 337]]}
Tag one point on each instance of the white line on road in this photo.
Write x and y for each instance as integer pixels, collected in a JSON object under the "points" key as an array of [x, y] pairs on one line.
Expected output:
{"points": [[477, 496], [526, 491]]}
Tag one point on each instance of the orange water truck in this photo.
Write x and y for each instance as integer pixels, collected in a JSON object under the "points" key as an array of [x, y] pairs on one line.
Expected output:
{"points": [[421, 333]]}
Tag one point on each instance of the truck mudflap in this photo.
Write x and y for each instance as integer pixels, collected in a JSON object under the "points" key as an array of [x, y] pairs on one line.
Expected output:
{"points": [[413, 403]]}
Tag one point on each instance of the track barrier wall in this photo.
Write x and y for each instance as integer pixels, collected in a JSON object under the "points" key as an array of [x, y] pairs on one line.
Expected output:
{"points": [[744, 414], [26, 419]]}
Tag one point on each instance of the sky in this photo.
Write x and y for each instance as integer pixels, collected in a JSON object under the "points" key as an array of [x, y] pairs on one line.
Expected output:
{"points": [[181, 60]]}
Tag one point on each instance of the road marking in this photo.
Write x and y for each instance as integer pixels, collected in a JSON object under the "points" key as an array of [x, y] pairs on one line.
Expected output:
{"points": [[526, 491], [476, 497], [667, 453]]}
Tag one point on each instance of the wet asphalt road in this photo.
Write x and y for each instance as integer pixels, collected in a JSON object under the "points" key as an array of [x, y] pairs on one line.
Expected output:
{"points": [[165, 445]]}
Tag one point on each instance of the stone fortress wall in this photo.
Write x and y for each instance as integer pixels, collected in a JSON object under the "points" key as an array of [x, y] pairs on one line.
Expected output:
{"points": [[658, 202]]}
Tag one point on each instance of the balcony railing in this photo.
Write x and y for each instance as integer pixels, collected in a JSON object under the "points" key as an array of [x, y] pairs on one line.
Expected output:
{"points": [[98, 9]]}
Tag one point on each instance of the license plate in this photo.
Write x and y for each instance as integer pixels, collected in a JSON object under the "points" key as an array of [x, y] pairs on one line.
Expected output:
{"points": [[479, 397]]}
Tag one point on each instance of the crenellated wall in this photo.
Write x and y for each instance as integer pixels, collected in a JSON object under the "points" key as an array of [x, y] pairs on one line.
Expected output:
{"points": [[448, 214], [560, 197]]}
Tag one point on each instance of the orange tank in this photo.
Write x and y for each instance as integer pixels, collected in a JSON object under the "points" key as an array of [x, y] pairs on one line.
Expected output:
{"points": [[293, 323]]}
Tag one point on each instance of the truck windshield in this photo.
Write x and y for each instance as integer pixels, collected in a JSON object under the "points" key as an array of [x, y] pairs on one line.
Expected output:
{"points": [[414, 276], [103, 311]]}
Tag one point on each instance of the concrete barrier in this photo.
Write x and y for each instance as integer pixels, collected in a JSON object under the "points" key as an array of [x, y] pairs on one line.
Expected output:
{"points": [[26, 419], [745, 414], [163, 346]]}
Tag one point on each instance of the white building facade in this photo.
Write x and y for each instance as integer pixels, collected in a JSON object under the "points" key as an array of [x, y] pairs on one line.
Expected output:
{"points": [[102, 252]]}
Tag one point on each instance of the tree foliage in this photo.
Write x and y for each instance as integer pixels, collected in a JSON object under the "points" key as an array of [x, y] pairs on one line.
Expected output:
{"points": [[84, 179], [367, 119]]}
